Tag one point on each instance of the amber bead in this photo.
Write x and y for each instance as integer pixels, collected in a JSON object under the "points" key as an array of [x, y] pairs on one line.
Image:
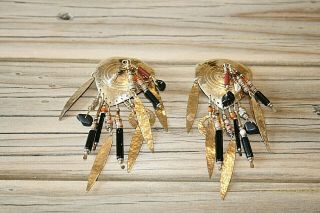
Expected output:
{"points": [[104, 109], [143, 73], [226, 78], [135, 78], [233, 115]]}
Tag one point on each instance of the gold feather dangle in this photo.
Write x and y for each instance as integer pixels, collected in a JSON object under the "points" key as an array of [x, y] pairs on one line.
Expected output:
{"points": [[201, 125], [99, 162], [137, 139], [227, 168], [259, 118], [143, 122], [119, 81], [192, 106], [226, 83], [75, 96], [135, 146], [160, 111], [210, 146]]}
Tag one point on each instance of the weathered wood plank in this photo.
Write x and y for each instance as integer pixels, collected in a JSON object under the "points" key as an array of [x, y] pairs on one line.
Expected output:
{"points": [[43, 59], [38, 196], [289, 162], [244, 31]]}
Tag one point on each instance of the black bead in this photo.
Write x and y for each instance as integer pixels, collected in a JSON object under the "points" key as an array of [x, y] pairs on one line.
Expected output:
{"points": [[90, 139], [85, 119], [247, 147], [219, 145], [161, 85], [263, 99], [251, 128], [228, 99], [99, 127], [153, 99], [237, 135], [119, 143]]}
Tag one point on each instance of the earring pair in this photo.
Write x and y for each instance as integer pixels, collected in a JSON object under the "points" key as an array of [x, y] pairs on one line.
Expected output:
{"points": [[119, 81]]}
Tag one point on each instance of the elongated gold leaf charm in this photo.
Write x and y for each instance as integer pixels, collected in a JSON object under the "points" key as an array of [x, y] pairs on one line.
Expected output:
{"points": [[227, 168], [162, 117], [137, 140], [143, 122], [160, 111], [99, 162], [201, 125], [135, 146], [192, 107], [75, 96], [259, 117], [132, 120], [210, 147]]}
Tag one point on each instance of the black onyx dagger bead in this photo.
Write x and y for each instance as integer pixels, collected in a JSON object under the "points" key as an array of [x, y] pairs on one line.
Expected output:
{"points": [[86, 120], [119, 145], [251, 128], [90, 139], [228, 99], [89, 142], [161, 85], [99, 127], [237, 135], [247, 147], [263, 99], [149, 95], [219, 146]]}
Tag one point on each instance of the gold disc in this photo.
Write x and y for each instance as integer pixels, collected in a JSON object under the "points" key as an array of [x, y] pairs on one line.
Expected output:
{"points": [[113, 84], [210, 75]]}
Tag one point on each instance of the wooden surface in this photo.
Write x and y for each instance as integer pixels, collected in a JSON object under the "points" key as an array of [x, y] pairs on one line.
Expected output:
{"points": [[43, 59]]}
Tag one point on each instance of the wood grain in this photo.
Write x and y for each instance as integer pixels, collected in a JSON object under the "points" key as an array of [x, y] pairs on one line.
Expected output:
{"points": [[158, 196], [43, 59]]}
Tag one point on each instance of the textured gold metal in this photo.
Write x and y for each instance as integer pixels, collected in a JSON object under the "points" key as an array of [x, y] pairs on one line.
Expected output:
{"points": [[210, 147], [135, 146], [201, 125], [143, 122], [160, 111], [259, 117], [210, 77], [192, 107], [114, 84], [99, 162], [132, 120], [227, 168], [162, 117], [75, 96], [136, 143]]}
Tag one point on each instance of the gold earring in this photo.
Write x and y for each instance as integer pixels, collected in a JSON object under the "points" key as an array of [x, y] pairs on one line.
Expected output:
{"points": [[226, 83], [119, 81]]}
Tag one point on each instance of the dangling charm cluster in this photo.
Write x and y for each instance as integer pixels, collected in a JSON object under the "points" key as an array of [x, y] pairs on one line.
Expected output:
{"points": [[120, 81], [226, 83]]}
